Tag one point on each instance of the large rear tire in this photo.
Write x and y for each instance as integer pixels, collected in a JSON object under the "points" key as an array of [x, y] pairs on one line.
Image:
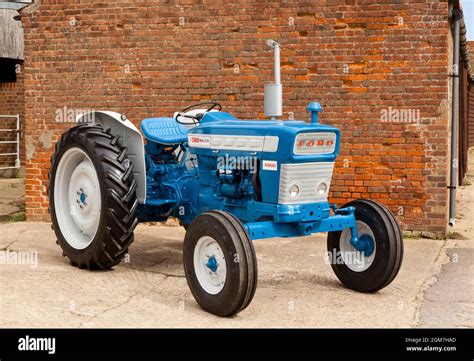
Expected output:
{"points": [[220, 263], [92, 197], [376, 268]]}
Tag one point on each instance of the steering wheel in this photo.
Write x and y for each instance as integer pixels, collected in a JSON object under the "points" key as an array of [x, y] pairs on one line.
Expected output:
{"points": [[209, 105]]}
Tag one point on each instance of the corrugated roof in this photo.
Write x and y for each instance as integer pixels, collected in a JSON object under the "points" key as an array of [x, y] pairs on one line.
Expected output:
{"points": [[14, 4], [466, 55], [465, 49]]}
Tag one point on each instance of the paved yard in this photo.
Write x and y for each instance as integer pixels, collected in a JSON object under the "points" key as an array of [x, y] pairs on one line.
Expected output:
{"points": [[12, 202], [296, 288]]}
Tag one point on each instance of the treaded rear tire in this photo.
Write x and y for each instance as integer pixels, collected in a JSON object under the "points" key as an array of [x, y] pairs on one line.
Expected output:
{"points": [[119, 204]]}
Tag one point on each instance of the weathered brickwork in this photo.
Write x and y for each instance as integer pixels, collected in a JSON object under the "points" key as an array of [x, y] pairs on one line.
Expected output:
{"points": [[379, 69]]}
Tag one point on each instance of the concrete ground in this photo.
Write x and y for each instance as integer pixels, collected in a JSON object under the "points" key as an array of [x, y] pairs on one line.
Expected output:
{"points": [[449, 301], [12, 202], [296, 287]]}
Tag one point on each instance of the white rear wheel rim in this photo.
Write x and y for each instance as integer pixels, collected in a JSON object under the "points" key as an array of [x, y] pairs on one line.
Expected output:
{"points": [[209, 265], [77, 198], [354, 259]]}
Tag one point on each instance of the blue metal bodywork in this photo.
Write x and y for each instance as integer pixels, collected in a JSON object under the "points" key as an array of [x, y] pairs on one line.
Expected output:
{"points": [[185, 179]]}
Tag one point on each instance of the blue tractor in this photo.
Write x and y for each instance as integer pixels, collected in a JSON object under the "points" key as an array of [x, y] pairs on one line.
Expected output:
{"points": [[229, 182]]}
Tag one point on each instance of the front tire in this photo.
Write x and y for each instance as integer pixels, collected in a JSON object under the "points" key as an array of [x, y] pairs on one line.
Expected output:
{"points": [[92, 196], [220, 263], [376, 268]]}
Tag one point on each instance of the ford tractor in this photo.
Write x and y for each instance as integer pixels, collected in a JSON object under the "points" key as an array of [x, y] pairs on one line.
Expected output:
{"points": [[228, 181]]}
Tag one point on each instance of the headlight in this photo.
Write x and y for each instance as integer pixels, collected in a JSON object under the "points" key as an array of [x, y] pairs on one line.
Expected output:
{"points": [[294, 191], [322, 188]]}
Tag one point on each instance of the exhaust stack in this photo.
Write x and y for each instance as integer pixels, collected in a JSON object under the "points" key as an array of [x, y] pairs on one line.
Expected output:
{"points": [[273, 100]]}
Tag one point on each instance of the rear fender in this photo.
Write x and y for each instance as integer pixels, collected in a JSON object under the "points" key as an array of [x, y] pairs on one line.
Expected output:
{"points": [[130, 138]]}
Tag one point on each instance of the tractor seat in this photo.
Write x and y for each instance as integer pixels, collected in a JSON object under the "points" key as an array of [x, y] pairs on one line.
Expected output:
{"points": [[164, 131]]}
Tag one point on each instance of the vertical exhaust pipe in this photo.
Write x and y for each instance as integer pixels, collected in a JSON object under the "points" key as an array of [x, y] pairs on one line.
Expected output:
{"points": [[273, 99], [457, 16]]}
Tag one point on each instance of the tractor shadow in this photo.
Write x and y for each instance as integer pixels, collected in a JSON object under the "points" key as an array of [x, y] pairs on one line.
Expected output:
{"points": [[288, 279], [160, 255], [164, 256], [157, 256]]}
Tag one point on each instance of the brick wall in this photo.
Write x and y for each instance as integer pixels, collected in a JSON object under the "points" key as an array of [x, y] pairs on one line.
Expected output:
{"points": [[470, 134], [12, 102], [470, 108], [360, 58]]}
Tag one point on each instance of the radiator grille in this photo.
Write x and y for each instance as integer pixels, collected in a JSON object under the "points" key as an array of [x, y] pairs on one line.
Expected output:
{"points": [[307, 176]]}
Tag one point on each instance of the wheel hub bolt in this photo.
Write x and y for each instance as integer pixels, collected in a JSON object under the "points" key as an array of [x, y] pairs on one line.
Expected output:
{"points": [[212, 264]]}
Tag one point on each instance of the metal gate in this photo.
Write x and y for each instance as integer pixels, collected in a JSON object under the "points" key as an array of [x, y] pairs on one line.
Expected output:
{"points": [[10, 142]]}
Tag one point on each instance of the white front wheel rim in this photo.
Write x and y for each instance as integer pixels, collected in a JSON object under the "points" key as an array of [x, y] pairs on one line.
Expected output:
{"points": [[210, 265], [77, 198], [354, 259]]}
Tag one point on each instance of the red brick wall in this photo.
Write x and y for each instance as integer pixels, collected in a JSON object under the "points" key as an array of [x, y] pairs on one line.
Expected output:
{"points": [[358, 58], [12, 102], [470, 106], [470, 135]]}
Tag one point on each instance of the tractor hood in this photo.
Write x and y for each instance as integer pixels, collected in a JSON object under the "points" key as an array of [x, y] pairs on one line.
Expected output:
{"points": [[290, 140]]}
